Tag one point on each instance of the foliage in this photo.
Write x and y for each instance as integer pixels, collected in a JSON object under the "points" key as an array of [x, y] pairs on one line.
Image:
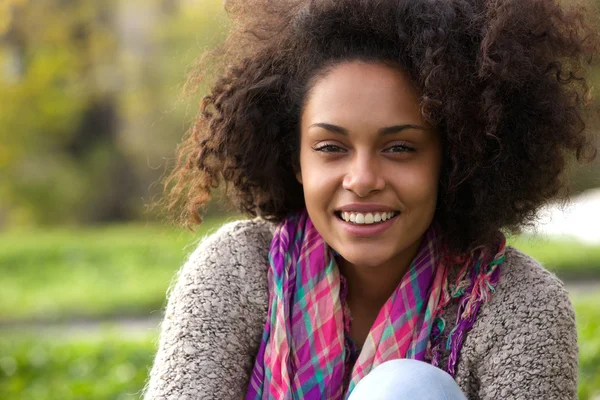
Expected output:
{"points": [[103, 271], [108, 367], [588, 327], [568, 258], [56, 57], [92, 104], [155, 107], [88, 91]]}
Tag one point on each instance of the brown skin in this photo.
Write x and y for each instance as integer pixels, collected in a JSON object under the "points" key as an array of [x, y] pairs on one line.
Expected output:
{"points": [[399, 170]]}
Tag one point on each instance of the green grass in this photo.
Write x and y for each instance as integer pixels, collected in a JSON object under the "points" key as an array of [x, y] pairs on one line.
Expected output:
{"points": [[568, 258], [105, 368], [108, 367], [588, 329], [92, 272]]}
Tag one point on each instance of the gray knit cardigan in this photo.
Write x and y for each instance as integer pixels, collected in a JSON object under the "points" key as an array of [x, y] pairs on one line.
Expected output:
{"points": [[523, 344]]}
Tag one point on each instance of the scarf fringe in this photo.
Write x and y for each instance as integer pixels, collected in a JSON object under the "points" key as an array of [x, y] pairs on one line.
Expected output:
{"points": [[473, 287]]}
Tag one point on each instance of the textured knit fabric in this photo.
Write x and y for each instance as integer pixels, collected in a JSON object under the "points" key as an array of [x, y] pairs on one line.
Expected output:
{"points": [[302, 353], [523, 344]]}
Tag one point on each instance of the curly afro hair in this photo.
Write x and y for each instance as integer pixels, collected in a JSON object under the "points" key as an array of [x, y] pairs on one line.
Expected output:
{"points": [[502, 80]]}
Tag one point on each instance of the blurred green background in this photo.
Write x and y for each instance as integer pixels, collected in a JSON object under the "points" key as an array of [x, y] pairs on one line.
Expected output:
{"points": [[91, 109], [92, 105]]}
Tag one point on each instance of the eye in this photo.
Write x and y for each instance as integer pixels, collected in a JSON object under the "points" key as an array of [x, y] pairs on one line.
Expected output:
{"points": [[400, 148], [329, 148]]}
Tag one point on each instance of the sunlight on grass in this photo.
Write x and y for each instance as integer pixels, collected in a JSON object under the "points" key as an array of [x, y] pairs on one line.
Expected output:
{"points": [[566, 257], [113, 270], [587, 308], [108, 367]]}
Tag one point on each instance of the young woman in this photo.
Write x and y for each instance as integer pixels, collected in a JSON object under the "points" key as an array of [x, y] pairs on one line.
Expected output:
{"points": [[382, 147]]}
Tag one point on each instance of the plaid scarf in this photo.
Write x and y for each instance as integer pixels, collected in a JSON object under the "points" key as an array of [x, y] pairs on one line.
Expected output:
{"points": [[303, 354]]}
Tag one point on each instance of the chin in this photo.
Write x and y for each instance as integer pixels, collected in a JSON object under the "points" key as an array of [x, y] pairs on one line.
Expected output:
{"points": [[361, 258]]}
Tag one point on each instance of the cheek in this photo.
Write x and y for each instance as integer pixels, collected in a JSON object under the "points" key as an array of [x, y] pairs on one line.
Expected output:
{"points": [[318, 186], [418, 186], [313, 182]]}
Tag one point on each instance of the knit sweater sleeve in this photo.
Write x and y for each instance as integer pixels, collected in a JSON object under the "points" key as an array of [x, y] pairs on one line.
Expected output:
{"points": [[532, 349], [214, 318]]}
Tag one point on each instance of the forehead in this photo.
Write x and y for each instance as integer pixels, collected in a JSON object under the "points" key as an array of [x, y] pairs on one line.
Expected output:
{"points": [[360, 93]]}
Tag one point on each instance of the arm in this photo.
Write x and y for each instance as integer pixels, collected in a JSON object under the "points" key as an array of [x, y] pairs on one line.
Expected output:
{"points": [[535, 353], [214, 319]]}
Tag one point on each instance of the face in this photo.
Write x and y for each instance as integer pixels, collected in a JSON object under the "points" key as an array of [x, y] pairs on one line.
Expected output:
{"points": [[369, 163]]}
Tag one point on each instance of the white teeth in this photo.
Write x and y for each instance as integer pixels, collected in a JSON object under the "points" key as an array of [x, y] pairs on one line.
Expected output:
{"points": [[368, 218]]}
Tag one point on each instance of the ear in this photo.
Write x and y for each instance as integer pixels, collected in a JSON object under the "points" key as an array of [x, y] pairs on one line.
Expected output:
{"points": [[297, 170], [298, 175]]}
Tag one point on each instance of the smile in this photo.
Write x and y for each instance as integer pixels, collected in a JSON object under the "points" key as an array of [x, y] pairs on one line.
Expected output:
{"points": [[370, 218]]}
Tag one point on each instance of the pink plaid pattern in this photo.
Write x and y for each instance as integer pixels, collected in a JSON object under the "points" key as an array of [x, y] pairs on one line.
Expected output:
{"points": [[302, 355], [403, 325]]}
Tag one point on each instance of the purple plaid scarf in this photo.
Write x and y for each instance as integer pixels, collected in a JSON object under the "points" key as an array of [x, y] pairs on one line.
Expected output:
{"points": [[302, 353]]}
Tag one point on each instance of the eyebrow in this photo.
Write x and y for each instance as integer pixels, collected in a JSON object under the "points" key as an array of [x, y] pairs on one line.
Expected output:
{"points": [[382, 132]]}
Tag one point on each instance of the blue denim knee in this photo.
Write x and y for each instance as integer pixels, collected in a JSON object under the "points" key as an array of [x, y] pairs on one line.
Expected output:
{"points": [[407, 379]]}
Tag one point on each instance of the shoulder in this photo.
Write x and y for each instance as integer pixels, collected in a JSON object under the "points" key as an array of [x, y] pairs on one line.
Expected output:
{"points": [[529, 301], [236, 239], [524, 341], [521, 269], [226, 274], [526, 288], [527, 296], [237, 249], [232, 262], [215, 316]]}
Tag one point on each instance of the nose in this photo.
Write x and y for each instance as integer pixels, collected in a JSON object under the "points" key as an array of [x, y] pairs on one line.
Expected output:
{"points": [[364, 176]]}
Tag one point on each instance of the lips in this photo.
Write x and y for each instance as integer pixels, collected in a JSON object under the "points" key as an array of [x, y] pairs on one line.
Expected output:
{"points": [[362, 229]]}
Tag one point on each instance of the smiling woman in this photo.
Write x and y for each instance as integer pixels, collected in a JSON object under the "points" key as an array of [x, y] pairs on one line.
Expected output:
{"points": [[383, 148], [381, 157], [372, 156]]}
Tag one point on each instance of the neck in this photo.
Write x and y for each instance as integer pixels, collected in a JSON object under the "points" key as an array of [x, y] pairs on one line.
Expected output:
{"points": [[370, 287]]}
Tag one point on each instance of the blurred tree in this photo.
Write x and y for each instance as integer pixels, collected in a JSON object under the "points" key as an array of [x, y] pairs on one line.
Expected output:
{"points": [[59, 117], [92, 107], [88, 92], [157, 52]]}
